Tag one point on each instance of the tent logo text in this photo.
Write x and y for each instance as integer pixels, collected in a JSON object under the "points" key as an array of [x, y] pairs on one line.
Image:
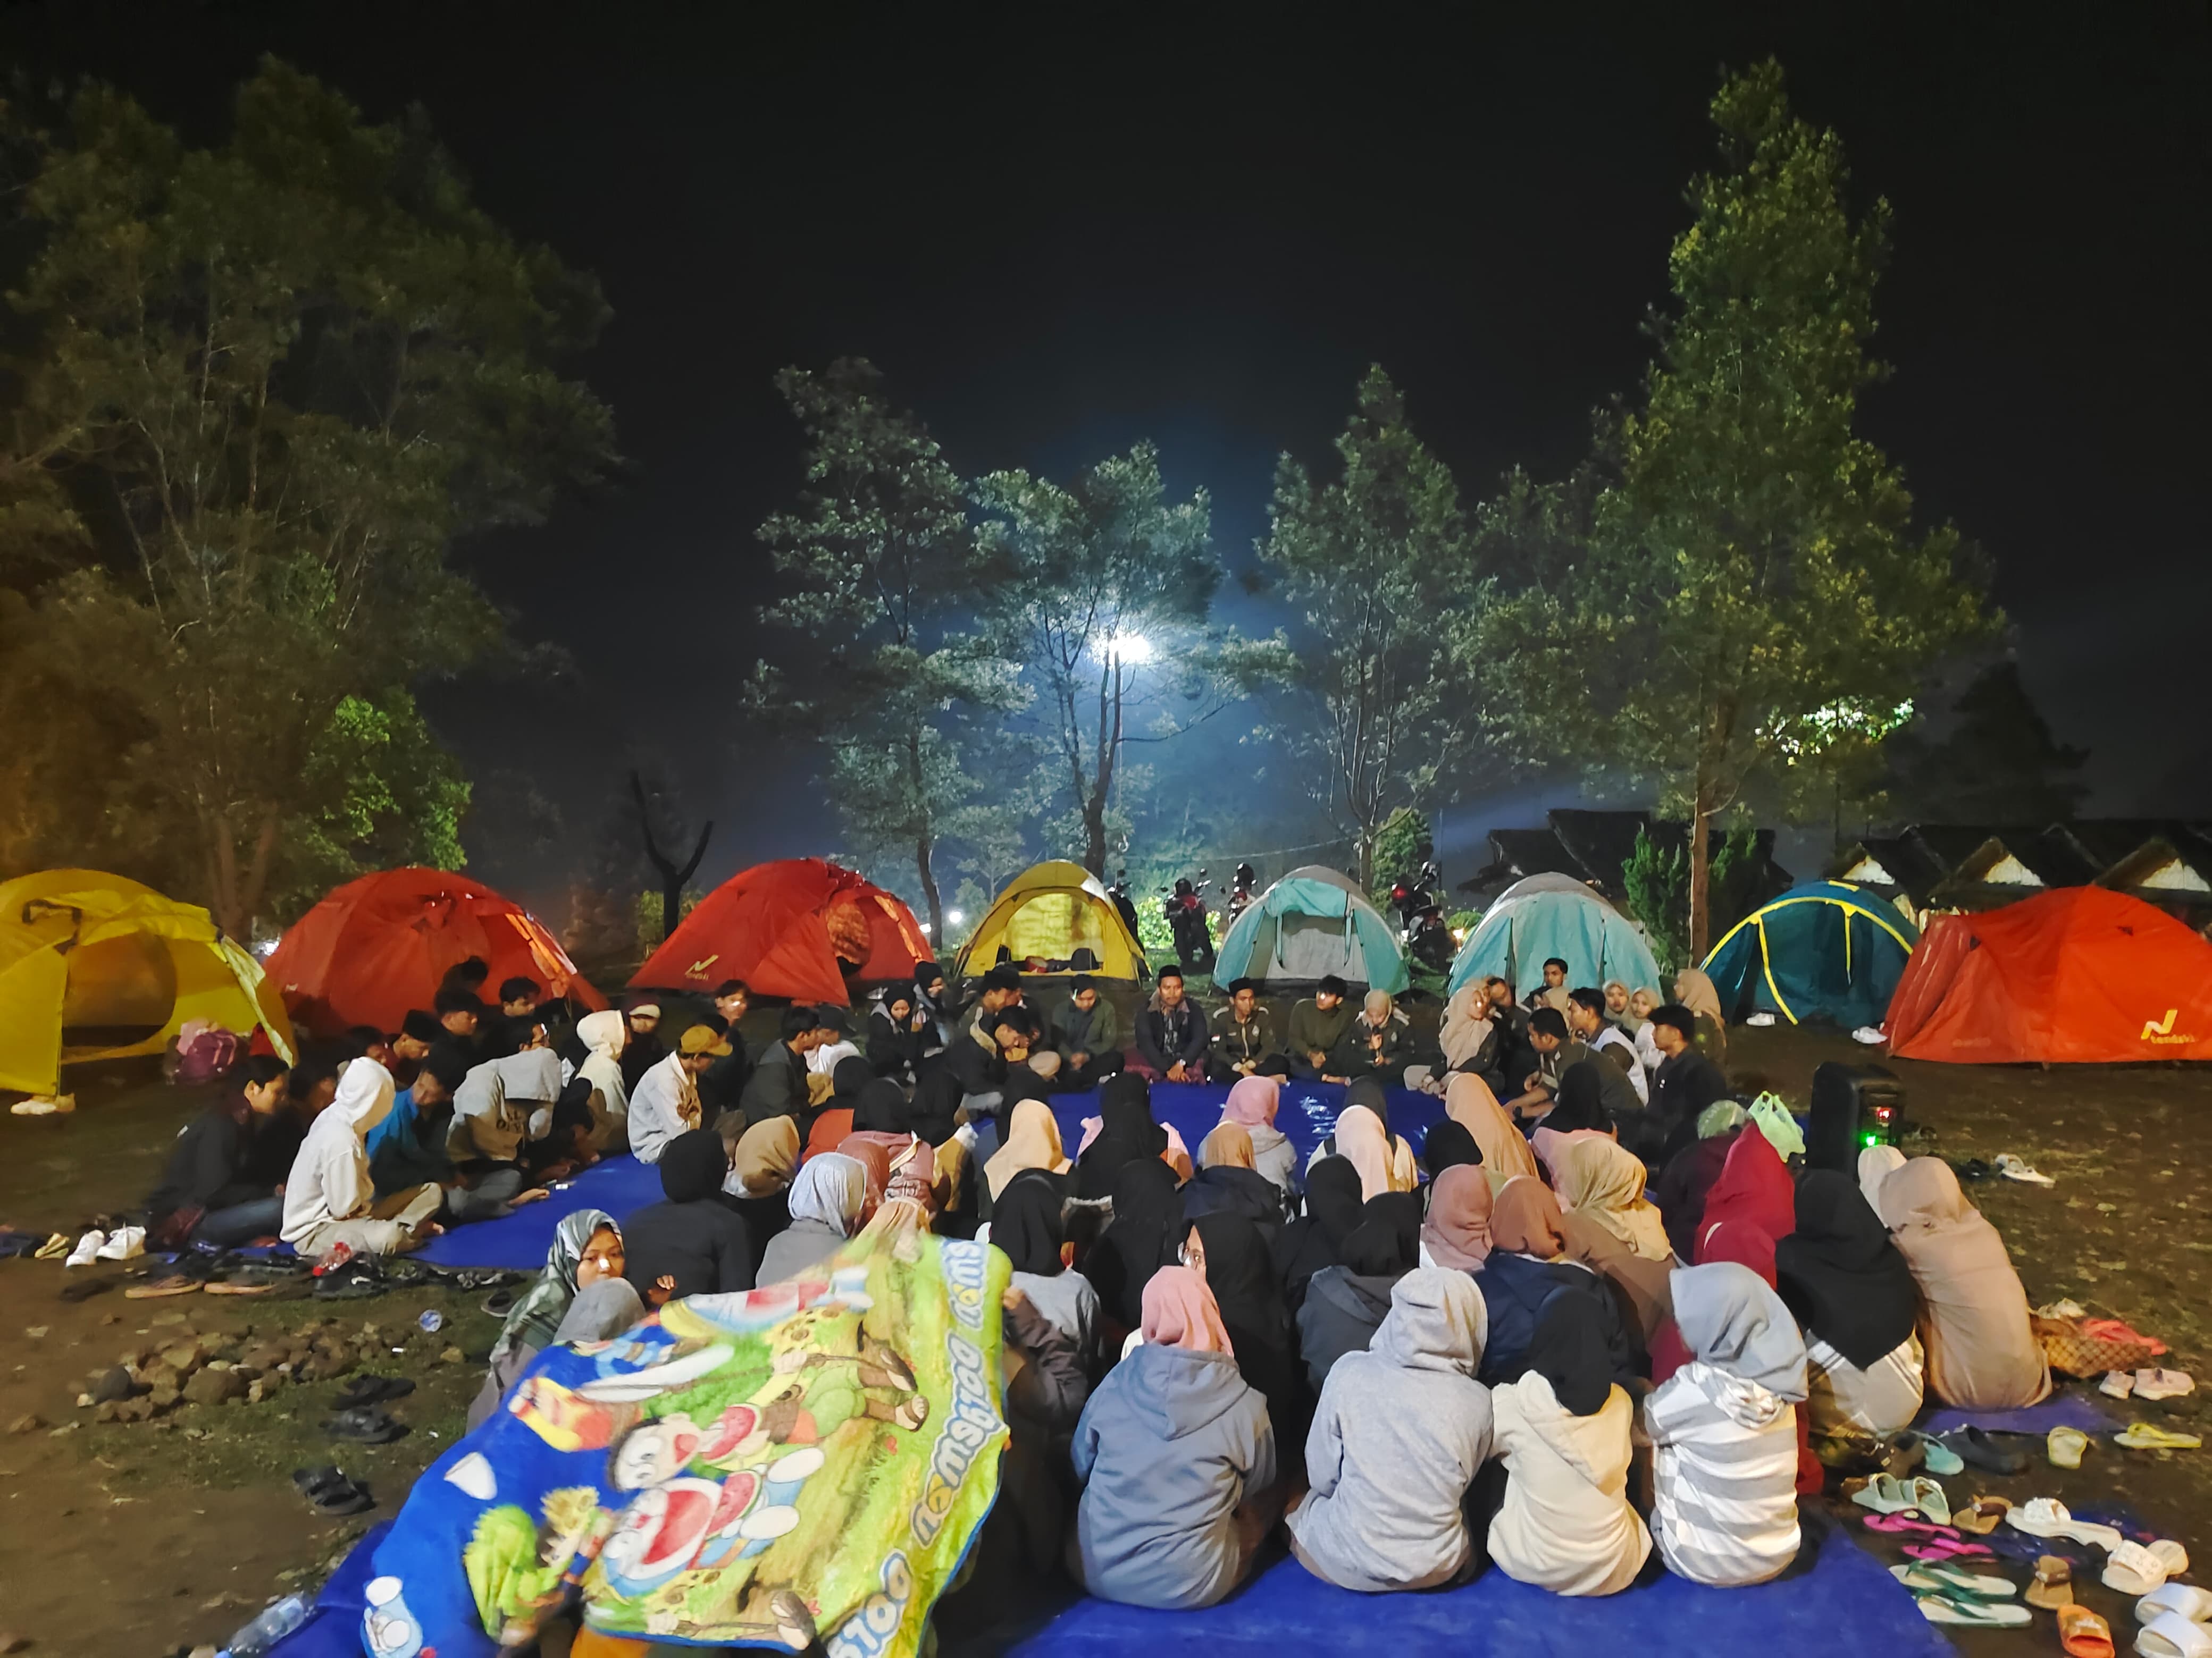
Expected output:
{"points": [[2160, 1031], [698, 970]]}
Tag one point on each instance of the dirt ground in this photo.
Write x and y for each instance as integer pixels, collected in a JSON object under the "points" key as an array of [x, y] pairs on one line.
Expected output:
{"points": [[139, 1539]]}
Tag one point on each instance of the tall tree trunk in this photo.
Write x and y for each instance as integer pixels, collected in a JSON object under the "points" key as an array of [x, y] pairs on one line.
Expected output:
{"points": [[1701, 812], [924, 851], [1094, 836]]}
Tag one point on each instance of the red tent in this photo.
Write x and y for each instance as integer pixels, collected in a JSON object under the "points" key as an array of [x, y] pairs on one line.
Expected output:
{"points": [[781, 928], [2078, 975], [378, 946]]}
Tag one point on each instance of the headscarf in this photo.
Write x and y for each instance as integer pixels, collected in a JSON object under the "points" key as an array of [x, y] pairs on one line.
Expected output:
{"points": [[1729, 1320], [1333, 1197], [1229, 1145], [937, 1094], [1469, 1102], [1142, 1237], [1027, 1222], [1580, 1103], [1754, 1188], [1363, 1141], [831, 1190], [1378, 1007], [1627, 1019], [1743, 1243], [694, 1165], [1875, 1165], [1449, 1145], [850, 1075], [1252, 1102], [533, 1319], [1179, 1311], [882, 1109], [1386, 1242], [1524, 1219], [602, 1035], [1599, 1178], [1981, 1351], [1694, 991], [1551, 1146], [1457, 1230], [1032, 1142], [1840, 1274], [1437, 1322], [1719, 1117], [767, 1157], [1570, 1352], [1242, 1280], [1466, 1025], [1127, 1133]]}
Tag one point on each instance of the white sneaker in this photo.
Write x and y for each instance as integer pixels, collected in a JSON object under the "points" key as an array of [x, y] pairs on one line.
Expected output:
{"points": [[1761, 1019], [88, 1247], [1869, 1035], [44, 1105], [124, 1243]]}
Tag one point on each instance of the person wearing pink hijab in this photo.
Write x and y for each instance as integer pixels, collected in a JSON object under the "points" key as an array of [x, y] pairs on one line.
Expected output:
{"points": [[1456, 1232], [1251, 1106], [1505, 1151], [1177, 1457]]}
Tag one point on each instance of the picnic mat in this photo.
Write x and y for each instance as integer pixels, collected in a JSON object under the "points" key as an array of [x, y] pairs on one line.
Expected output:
{"points": [[2068, 1410], [623, 1185], [1847, 1605], [723, 1467]]}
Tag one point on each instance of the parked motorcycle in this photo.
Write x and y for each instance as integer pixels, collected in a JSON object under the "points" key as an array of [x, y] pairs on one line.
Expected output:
{"points": [[1187, 921], [1410, 896], [1118, 891], [1241, 894], [1430, 941]]}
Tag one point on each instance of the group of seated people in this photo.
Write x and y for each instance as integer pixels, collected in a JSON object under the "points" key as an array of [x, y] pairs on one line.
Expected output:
{"points": [[1530, 1344]]}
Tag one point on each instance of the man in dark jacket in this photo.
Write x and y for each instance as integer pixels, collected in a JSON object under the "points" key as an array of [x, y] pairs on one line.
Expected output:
{"points": [[208, 1192], [1087, 1036], [1241, 1034], [1685, 1083], [1171, 1034], [722, 1086], [1318, 1024], [777, 1087]]}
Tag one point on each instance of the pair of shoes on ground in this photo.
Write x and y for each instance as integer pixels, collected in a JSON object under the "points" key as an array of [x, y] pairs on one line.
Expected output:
{"points": [[1945, 1595], [124, 1243], [328, 1491], [2159, 1383], [2174, 1619]]}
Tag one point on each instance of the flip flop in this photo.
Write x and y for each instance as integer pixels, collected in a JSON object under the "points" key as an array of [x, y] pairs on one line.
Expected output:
{"points": [[373, 1389], [1933, 1453], [365, 1426], [2170, 1634], [2163, 1383], [1948, 1580], [2183, 1599], [1977, 1446], [1965, 1609], [2084, 1634], [2053, 1586], [2064, 1447], [2012, 1168], [175, 1284], [1903, 1525], [1944, 1548], [1981, 1516], [2142, 1437], [54, 1247]]}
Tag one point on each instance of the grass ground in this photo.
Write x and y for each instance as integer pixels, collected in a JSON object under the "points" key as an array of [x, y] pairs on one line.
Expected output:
{"points": [[129, 1539]]}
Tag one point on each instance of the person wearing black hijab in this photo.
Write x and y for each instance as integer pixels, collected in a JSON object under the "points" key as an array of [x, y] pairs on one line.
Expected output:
{"points": [[1028, 1224], [1242, 1280], [1314, 1240], [936, 1099], [1447, 1146], [1146, 1229], [1127, 1133], [1345, 1304], [896, 1034], [881, 1108], [1228, 1190], [692, 1239], [1851, 1289], [1570, 1351]]}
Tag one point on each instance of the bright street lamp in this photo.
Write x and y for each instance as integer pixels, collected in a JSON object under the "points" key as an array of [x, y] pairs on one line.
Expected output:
{"points": [[1131, 649]]}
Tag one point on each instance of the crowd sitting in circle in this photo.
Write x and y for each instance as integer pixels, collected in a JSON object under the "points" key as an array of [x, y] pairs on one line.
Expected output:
{"points": [[1599, 1317]]}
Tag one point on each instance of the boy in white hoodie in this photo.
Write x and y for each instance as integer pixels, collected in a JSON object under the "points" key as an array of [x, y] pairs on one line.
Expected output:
{"points": [[330, 1196], [1563, 1430], [1723, 1431]]}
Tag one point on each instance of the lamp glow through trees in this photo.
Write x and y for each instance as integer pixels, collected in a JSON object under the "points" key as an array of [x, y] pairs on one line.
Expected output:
{"points": [[1129, 649]]}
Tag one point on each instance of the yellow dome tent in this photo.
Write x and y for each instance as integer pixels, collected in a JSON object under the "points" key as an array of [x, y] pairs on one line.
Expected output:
{"points": [[108, 961], [1053, 910]]}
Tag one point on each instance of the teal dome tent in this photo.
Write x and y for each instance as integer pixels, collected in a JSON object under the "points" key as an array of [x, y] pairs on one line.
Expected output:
{"points": [[1313, 922], [1548, 915], [1823, 951]]}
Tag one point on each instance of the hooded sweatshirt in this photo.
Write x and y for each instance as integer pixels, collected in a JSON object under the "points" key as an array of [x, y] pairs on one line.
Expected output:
{"points": [[1167, 1448], [330, 1179], [1252, 1103], [663, 1104], [1724, 1432], [1566, 1524], [492, 1106], [1400, 1430]]}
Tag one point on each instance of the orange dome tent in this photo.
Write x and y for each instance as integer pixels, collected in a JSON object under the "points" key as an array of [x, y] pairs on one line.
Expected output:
{"points": [[378, 946], [2081, 974], [781, 927]]}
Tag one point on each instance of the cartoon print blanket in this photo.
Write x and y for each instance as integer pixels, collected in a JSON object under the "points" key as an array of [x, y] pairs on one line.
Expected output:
{"points": [[812, 1457]]}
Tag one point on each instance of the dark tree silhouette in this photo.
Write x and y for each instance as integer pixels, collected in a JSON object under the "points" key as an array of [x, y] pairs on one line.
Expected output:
{"points": [[672, 876]]}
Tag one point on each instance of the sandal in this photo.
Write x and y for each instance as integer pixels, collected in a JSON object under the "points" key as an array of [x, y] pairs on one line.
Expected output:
{"points": [[1941, 1549], [2046, 1516], [2170, 1634], [2064, 1445], [365, 1426], [1981, 1516], [1965, 1609], [499, 1303], [2084, 1634], [371, 1390], [2163, 1383], [175, 1284], [2053, 1586], [1932, 1453], [219, 1287], [2186, 1599], [53, 1248], [1948, 1580], [1903, 1525], [1973, 1446], [2142, 1437], [330, 1492], [2134, 1570], [84, 1289], [1885, 1493]]}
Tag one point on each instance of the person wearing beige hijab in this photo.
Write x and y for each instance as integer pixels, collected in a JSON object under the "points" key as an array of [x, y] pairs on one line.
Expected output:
{"points": [[1981, 1351], [1466, 1028], [604, 1034], [1505, 1150], [1032, 1142], [1600, 1181], [763, 1158], [1229, 1146], [1694, 990], [1384, 1160]]}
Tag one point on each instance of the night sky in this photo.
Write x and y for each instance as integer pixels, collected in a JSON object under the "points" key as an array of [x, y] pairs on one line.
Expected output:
{"points": [[1059, 234]]}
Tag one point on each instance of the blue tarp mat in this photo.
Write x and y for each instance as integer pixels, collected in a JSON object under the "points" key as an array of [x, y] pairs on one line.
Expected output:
{"points": [[1848, 1605], [623, 1185], [2069, 1410], [333, 1629]]}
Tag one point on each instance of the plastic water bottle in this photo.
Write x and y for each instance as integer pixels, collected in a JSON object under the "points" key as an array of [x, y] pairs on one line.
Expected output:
{"points": [[276, 1621], [431, 1320]]}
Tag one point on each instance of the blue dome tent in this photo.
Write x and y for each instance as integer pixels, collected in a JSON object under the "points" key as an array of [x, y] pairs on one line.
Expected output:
{"points": [[1313, 922], [1823, 951], [1548, 915]]}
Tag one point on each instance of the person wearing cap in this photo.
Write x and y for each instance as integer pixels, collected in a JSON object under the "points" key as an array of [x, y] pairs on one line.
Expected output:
{"points": [[1241, 1034], [1087, 1036], [665, 1101], [777, 1087], [723, 1088], [645, 1048]]}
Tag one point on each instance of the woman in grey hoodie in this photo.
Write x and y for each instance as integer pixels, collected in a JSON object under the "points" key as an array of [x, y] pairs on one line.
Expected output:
{"points": [[1400, 1433], [1347, 1304], [1173, 1450]]}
